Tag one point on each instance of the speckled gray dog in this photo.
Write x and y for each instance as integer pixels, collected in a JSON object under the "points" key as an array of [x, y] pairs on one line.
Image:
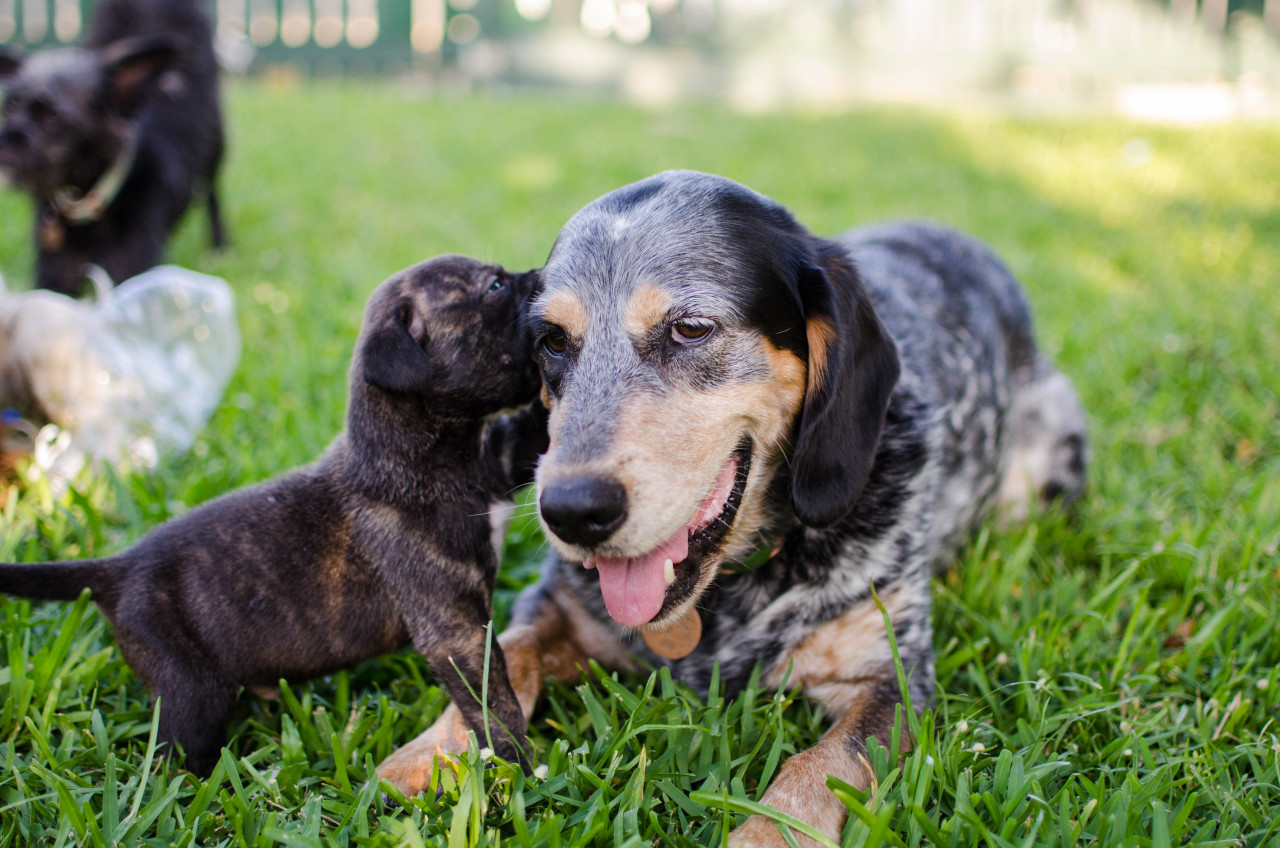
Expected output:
{"points": [[752, 426]]}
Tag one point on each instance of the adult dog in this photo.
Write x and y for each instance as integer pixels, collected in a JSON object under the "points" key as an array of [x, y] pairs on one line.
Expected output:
{"points": [[722, 382]]}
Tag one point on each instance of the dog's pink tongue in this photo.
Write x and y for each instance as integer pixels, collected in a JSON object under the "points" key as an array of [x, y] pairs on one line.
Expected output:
{"points": [[633, 588]]}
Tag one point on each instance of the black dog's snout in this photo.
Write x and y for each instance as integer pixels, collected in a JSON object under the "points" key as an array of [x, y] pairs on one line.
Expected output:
{"points": [[584, 510]]}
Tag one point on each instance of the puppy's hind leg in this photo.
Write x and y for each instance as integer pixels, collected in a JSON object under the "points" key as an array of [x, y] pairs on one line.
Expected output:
{"points": [[194, 710], [1048, 445]]}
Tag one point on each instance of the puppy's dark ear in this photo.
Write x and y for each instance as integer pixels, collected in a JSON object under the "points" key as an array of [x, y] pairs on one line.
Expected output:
{"points": [[392, 355], [853, 367], [10, 62], [133, 65]]}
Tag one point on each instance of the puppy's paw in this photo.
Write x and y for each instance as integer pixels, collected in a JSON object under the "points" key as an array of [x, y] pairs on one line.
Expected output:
{"points": [[409, 768]]}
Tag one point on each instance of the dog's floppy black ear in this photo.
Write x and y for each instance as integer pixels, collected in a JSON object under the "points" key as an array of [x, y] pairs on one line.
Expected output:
{"points": [[133, 65], [392, 355], [853, 367], [10, 62]]}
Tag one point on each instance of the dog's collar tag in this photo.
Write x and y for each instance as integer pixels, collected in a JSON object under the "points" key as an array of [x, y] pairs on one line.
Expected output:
{"points": [[678, 639], [52, 232]]}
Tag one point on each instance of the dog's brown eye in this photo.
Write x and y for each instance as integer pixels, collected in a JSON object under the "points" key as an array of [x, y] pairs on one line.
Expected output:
{"points": [[555, 342], [498, 284], [691, 330]]}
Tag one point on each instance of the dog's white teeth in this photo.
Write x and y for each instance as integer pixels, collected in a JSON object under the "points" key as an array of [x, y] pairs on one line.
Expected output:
{"points": [[668, 572]]}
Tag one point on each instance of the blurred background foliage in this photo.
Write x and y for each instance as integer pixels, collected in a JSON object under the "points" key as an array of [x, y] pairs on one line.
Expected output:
{"points": [[1174, 60]]}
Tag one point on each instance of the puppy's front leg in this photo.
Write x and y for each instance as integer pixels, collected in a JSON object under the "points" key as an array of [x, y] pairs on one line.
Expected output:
{"points": [[531, 652], [487, 702]]}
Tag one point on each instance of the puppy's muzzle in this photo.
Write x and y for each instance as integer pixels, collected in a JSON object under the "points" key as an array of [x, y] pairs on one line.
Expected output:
{"points": [[584, 510]]}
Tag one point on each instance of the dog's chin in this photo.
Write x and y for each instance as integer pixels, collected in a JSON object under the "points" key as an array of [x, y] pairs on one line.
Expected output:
{"points": [[643, 591]]}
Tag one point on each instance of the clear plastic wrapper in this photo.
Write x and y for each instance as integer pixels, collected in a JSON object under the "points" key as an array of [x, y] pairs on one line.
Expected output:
{"points": [[126, 377]]}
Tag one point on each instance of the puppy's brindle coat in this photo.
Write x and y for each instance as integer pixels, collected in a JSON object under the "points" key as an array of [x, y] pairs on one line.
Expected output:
{"points": [[382, 542], [859, 405], [141, 96]]}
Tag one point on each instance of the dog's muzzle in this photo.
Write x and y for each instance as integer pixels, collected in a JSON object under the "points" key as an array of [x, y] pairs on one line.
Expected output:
{"points": [[641, 589]]}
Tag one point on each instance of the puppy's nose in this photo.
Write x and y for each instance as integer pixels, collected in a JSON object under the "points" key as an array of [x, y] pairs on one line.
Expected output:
{"points": [[584, 510]]}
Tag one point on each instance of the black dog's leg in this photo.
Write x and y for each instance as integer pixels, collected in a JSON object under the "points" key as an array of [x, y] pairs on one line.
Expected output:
{"points": [[194, 710], [131, 251], [217, 232], [61, 270]]}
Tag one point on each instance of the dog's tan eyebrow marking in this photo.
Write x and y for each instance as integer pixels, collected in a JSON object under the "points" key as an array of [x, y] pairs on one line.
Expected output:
{"points": [[647, 307], [566, 312], [822, 335]]}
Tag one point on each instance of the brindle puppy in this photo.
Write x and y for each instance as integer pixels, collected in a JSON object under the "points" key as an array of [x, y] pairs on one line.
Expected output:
{"points": [[382, 542]]}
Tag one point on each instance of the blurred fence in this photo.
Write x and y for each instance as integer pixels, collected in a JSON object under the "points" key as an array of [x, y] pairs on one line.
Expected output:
{"points": [[758, 53]]}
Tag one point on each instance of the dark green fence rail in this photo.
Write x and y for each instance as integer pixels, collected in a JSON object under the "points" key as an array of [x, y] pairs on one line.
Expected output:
{"points": [[319, 35]]}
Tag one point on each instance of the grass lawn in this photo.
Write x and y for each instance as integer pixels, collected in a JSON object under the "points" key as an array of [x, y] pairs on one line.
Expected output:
{"points": [[1110, 677]]}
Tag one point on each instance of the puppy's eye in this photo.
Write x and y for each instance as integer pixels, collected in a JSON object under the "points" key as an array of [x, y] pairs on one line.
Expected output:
{"points": [[498, 284], [691, 330], [555, 342]]}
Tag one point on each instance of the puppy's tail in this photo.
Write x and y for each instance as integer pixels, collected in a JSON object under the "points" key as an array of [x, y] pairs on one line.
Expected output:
{"points": [[62, 581]]}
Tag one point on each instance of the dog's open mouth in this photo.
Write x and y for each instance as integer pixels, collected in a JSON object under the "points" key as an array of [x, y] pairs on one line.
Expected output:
{"points": [[639, 590]]}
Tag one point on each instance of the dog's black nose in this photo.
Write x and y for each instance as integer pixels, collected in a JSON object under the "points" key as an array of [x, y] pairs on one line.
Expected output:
{"points": [[584, 510]]}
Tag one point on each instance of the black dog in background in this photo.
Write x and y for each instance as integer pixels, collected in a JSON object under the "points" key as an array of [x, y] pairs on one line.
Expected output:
{"points": [[384, 541], [112, 138]]}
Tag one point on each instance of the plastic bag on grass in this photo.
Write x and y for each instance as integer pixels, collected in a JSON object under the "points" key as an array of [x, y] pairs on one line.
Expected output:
{"points": [[126, 377]]}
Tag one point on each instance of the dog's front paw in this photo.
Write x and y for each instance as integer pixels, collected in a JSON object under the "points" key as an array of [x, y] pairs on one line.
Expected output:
{"points": [[409, 768], [763, 832]]}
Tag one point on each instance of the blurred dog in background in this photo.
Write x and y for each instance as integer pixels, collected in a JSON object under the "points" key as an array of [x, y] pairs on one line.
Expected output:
{"points": [[112, 138]]}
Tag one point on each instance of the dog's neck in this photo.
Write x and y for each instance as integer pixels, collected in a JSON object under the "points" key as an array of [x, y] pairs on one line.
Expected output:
{"points": [[400, 456]]}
